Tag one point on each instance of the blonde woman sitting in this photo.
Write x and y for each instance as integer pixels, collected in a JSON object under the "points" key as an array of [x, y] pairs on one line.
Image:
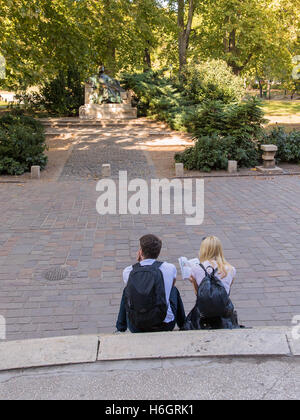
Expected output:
{"points": [[211, 255], [214, 293]]}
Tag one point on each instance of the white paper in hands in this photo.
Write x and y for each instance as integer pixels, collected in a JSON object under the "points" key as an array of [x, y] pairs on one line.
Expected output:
{"points": [[186, 266]]}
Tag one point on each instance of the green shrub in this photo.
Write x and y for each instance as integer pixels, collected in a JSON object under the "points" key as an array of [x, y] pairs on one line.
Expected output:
{"points": [[207, 154], [31, 102], [9, 166], [213, 152], [154, 94], [288, 144], [224, 132], [237, 119], [205, 102], [17, 116], [63, 95], [214, 80], [182, 118], [180, 102], [22, 144]]}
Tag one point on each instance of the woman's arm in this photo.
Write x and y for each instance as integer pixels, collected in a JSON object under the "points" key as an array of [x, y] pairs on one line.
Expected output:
{"points": [[233, 277], [193, 281]]}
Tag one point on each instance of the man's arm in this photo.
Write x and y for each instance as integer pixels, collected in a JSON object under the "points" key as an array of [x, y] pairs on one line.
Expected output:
{"points": [[174, 275], [126, 273]]}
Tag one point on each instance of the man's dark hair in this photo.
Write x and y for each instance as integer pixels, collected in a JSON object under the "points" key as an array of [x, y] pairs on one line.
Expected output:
{"points": [[150, 246]]}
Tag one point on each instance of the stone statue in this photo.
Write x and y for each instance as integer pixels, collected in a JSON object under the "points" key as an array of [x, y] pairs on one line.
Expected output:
{"points": [[104, 89], [105, 99]]}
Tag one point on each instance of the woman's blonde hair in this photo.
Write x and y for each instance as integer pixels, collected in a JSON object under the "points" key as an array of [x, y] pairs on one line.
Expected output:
{"points": [[211, 250]]}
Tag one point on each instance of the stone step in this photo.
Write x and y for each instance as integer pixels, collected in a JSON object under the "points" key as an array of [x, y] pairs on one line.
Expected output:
{"points": [[181, 345], [58, 135], [125, 124], [77, 120], [151, 134], [161, 133], [103, 123], [136, 131], [184, 344], [159, 141], [148, 143], [90, 123], [167, 142]]}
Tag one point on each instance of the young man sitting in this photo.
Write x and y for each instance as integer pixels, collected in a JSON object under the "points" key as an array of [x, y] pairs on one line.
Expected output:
{"points": [[150, 300]]}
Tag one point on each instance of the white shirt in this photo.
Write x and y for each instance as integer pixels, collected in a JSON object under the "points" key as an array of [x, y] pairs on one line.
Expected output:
{"points": [[199, 274], [169, 274]]}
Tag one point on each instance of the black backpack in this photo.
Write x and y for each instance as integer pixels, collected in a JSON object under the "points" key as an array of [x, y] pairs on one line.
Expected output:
{"points": [[212, 298], [145, 297], [213, 308]]}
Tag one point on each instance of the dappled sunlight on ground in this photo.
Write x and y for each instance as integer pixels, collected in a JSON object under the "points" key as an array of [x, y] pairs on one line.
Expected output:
{"points": [[140, 137]]}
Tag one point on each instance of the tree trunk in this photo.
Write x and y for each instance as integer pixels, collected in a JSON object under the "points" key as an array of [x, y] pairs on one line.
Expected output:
{"points": [[232, 46], [111, 60], [293, 93], [238, 69], [184, 31], [147, 60], [182, 52], [225, 38], [269, 89], [260, 88]]}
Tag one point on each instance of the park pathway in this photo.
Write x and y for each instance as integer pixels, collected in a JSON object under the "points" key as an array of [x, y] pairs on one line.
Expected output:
{"points": [[122, 143], [115, 144], [46, 224]]}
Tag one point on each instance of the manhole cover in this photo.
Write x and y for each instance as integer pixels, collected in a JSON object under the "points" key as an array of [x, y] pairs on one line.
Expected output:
{"points": [[55, 274]]}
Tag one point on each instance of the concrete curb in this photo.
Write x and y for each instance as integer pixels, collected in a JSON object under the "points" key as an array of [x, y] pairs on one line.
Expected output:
{"points": [[48, 352], [246, 342], [256, 342]]}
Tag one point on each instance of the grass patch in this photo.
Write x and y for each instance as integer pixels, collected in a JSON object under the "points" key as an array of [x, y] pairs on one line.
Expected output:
{"points": [[281, 107]]}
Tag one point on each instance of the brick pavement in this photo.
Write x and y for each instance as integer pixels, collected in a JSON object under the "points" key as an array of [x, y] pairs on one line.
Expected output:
{"points": [[89, 154], [45, 224]]}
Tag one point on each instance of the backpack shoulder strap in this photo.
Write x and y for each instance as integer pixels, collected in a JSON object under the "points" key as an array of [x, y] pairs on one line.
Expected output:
{"points": [[204, 269], [157, 264], [209, 274]]}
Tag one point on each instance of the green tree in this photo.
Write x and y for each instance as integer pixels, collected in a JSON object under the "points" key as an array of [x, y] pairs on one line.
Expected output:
{"points": [[39, 38], [184, 29], [243, 33]]}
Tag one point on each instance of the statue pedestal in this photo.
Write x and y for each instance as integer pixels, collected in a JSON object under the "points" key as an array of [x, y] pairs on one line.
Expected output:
{"points": [[268, 157], [107, 112], [91, 111]]}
